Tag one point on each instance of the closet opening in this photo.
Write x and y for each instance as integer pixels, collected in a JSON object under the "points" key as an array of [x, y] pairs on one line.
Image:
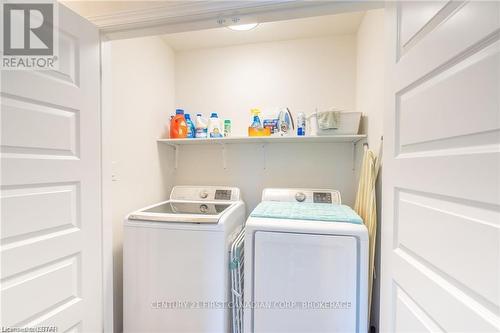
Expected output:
{"points": [[303, 65]]}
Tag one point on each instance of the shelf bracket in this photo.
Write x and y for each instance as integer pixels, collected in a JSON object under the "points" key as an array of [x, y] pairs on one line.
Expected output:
{"points": [[354, 144], [224, 162], [176, 156], [264, 157]]}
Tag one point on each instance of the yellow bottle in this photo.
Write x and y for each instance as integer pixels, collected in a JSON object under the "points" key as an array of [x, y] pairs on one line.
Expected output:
{"points": [[256, 128]]}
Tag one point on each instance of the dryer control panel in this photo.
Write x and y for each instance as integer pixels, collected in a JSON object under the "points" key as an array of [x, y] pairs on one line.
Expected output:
{"points": [[302, 195]]}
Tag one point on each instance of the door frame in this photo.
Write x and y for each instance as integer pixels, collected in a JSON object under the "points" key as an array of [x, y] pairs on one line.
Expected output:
{"points": [[188, 16], [106, 100], [181, 18]]}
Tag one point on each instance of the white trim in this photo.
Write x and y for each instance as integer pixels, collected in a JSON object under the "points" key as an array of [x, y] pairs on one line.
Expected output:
{"points": [[106, 190], [169, 10], [199, 15]]}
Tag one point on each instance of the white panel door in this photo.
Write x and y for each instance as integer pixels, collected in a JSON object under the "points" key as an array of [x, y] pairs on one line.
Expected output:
{"points": [[50, 193], [441, 209]]}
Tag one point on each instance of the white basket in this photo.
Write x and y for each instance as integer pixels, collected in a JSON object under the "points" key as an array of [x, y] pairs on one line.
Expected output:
{"points": [[348, 124]]}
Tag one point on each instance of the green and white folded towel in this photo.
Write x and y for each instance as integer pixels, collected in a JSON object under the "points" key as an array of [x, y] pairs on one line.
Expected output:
{"points": [[306, 211], [328, 120]]}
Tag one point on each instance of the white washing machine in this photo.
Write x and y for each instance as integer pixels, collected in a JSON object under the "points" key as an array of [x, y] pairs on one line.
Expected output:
{"points": [[175, 261], [306, 264]]}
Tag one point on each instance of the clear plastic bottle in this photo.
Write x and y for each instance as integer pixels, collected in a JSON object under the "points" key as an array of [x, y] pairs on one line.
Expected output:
{"points": [[301, 124], [227, 127], [201, 126]]}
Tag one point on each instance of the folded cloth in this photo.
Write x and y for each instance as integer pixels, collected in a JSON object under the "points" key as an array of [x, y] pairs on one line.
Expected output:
{"points": [[328, 120], [306, 211]]}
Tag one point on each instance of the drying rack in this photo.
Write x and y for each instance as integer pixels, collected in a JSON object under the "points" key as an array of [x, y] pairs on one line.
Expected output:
{"points": [[236, 266]]}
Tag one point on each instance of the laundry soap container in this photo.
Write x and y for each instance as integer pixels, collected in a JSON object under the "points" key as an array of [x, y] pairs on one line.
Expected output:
{"points": [[334, 122], [201, 126], [215, 127], [256, 128], [178, 125]]}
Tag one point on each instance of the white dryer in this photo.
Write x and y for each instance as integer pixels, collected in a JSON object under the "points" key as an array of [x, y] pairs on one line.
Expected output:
{"points": [[175, 261], [306, 264]]}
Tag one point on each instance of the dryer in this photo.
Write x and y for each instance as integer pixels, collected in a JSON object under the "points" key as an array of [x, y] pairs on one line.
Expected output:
{"points": [[306, 264], [175, 261]]}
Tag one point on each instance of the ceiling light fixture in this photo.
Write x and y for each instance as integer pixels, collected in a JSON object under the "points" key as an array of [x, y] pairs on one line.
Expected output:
{"points": [[243, 27]]}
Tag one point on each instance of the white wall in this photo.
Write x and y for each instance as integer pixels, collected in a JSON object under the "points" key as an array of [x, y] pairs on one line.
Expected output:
{"points": [[370, 101], [301, 74], [371, 74], [143, 98]]}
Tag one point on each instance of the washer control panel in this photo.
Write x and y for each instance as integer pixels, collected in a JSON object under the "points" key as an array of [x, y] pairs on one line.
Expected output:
{"points": [[205, 193], [223, 195]]}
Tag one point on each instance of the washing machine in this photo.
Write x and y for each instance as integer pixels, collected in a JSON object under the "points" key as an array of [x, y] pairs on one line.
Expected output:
{"points": [[305, 265], [175, 261]]}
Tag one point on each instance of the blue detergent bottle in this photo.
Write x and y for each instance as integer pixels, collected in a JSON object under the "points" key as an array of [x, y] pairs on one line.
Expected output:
{"points": [[191, 130]]}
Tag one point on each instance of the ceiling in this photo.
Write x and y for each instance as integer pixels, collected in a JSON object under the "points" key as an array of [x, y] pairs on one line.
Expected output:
{"points": [[328, 25], [187, 21]]}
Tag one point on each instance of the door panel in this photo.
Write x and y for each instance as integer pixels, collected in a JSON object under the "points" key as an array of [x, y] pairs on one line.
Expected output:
{"points": [[446, 98], [437, 295], [441, 208], [52, 129], [51, 208], [40, 282], [415, 16], [448, 226], [410, 317], [452, 36]]}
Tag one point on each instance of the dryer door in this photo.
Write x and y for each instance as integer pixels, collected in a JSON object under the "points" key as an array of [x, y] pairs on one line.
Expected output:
{"points": [[305, 283]]}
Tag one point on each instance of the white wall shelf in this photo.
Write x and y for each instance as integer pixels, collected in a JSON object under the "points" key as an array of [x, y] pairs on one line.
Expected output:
{"points": [[266, 139], [263, 140]]}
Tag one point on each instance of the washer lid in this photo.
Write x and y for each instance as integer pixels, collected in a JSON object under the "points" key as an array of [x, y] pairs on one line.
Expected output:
{"points": [[183, 212]]}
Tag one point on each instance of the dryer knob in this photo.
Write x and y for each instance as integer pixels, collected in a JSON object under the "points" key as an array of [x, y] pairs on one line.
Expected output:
{"points": [[203, 208], [300, 196], [203, 194]]}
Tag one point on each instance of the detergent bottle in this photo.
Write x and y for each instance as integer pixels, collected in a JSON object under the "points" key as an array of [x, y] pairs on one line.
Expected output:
{"points": [[215, 128], [178, 125], [256, 128], [201, 126], [191, 131], [255, 118]]}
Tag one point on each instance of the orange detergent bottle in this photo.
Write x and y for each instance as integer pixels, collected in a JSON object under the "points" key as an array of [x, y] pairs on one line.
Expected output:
{"points": [[178, 125]]}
